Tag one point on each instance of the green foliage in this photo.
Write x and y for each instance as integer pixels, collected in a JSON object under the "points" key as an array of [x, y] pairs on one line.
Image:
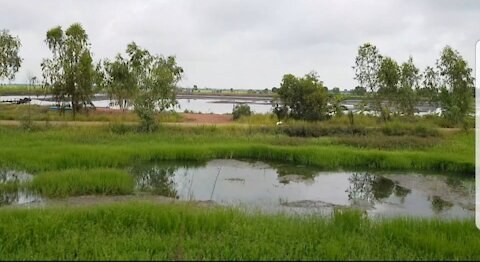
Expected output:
{"points": [[359, 91], [148, 231], [147, 81], [306, 97], [388, 142], [430, 85], [75, 182], [70, 72], [399, 129], [241, 111], [10, 61], [456, 91], [407, 98], [318, 130], [367, 65], [120, 81]]}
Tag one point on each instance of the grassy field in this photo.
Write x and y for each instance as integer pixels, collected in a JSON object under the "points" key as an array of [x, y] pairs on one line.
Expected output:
{"points": [[23, 90], [91, 160], [58, 148], [146, 231], [43, 113]]}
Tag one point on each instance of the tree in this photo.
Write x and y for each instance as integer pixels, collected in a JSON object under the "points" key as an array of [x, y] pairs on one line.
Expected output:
{"points": [[359, 91], [120, 81], [304, 97], [388, 80], [409, 79], [152, 80], [241, 110], [430, 85], [70, 72], [336, 90], [367, 64], [10, 61], [456, 86]]}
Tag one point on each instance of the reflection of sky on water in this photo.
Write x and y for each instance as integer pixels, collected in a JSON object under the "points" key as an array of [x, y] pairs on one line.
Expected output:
{"points": [[280, 188]]}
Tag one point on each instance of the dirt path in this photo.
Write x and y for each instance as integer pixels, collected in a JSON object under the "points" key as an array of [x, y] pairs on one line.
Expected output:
{"points": [[207, 118]]}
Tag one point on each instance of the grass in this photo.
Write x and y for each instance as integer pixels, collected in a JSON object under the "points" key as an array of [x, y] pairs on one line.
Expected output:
{"points": [[74, 182], [43, 113], [146, 231], [22, 90], [99, 147]]}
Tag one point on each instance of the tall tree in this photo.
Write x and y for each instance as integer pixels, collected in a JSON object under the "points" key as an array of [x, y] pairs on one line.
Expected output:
{"points": [[121, 84], [10, 61], [409, 80], [456, 85], [147, 81], [367, 64], [429, 89], [388, 81], [70, 72]]}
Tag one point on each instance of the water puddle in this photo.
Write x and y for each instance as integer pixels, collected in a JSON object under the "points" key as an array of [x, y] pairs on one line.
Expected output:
{"points": [[305, 190], [13, 194]]}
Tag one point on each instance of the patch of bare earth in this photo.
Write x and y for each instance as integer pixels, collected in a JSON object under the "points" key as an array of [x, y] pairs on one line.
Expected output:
{"points": [[207, 118]]}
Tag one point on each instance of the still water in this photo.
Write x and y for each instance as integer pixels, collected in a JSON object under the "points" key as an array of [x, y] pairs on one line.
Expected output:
{"points": [[212, 104], [286, 188], [301, 189], [216, 105]]}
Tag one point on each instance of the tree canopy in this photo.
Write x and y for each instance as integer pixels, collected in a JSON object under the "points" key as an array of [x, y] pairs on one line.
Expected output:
{"points": [[304, 97], [10, 61], [70, 72]]}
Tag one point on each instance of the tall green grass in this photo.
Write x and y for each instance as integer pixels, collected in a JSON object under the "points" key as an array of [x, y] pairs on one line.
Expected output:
{"points": [[94, 147], [75, 182], [44, 113], [145, 231]]}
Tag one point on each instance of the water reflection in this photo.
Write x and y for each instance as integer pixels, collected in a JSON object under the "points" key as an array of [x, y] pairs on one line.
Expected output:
{"points": [[300, 189], [11, 191], [439, 205], [367, 188], [157, 180]]}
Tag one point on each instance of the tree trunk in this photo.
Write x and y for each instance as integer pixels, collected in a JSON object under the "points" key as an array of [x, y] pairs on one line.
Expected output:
{"points": [[73, 107]]}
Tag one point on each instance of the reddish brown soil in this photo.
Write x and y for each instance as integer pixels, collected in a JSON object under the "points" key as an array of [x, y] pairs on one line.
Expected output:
{"points": [[206, 118]]}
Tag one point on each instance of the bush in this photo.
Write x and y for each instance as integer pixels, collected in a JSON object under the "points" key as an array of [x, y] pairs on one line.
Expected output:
{"points": [[400, 129], [241, 110], [317, 130]]}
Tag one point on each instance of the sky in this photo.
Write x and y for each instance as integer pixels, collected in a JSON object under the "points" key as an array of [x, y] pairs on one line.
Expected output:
{"points": [[248, 44]]}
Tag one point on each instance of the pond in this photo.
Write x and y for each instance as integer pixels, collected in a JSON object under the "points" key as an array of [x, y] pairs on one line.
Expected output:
{"points": [[287, 188], [301, 189]]}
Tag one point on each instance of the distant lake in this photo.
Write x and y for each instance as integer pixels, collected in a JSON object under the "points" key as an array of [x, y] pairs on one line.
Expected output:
{"points": [[206, 104]]}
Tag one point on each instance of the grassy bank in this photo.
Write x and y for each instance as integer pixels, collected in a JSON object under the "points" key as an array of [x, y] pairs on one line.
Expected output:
{"points": [[44, 113], [143, 231], [100, 147]]}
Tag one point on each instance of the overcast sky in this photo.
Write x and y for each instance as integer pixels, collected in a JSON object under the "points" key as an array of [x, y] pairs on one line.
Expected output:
{"points": [[251, 44]]}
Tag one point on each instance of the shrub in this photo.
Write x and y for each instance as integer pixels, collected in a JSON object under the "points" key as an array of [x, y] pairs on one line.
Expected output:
{"points": [[241, 110], [400, 129]]}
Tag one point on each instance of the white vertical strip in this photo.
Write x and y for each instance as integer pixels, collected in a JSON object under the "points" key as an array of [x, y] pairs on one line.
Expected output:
{"points": [[477, 134]]}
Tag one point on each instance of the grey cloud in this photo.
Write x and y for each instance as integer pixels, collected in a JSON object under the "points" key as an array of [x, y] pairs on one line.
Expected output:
{"points": [[251, 44]]}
